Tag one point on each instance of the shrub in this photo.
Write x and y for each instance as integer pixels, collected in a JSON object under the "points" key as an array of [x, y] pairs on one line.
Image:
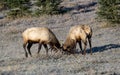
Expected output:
{"points": [[109, 10], [18, 8], [48, 6], [21, 8], [1, 4]]}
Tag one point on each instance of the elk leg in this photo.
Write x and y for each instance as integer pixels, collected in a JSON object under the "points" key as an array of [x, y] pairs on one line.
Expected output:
{"points": [[74, 49], [24, 46], [85, 44], [28, 47], [39, 48], [46, 49], [89, 39], [80, 45]]}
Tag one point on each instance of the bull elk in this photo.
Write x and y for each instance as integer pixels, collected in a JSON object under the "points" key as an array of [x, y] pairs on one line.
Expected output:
{"points": [[40, 35], [77, 34]]}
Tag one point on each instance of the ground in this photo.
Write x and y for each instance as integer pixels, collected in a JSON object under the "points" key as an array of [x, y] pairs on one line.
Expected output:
{"points": [[105, 44]]}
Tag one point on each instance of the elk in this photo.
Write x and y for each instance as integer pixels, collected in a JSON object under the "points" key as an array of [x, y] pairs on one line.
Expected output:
{"points": [[40, 35], [77, 34]]}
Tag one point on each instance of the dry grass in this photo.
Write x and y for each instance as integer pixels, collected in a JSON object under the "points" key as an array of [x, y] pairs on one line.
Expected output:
{"points": [[105, 41], [107, 25]]}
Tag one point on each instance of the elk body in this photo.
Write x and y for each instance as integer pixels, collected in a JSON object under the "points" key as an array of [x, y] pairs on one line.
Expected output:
{"points": [[77, 34], [40, 35]]}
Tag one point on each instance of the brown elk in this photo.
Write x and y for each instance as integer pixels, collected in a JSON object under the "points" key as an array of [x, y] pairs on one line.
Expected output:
{"points": [[77, 34], [40, 35]]}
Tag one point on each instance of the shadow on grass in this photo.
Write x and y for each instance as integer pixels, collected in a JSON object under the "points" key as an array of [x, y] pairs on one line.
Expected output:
{"points": [[1, 17], [103, 48], [86, 8]]}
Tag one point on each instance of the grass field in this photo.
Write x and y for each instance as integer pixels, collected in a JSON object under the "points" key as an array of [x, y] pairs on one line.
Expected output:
{"points": [[105, 45]]}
